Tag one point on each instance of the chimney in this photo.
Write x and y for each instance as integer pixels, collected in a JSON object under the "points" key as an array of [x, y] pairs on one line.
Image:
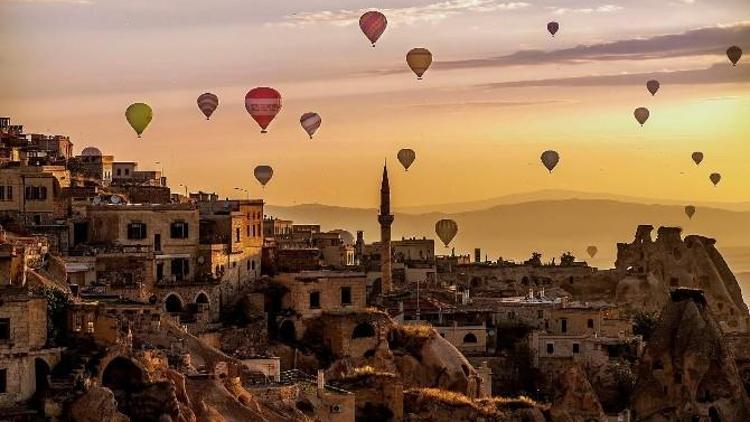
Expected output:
{"points": [[531, 294]]}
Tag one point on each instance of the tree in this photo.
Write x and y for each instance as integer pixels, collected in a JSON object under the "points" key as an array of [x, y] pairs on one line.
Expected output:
{"points": [[535, 260], [57, 309], [567, 259], [644, 323]]}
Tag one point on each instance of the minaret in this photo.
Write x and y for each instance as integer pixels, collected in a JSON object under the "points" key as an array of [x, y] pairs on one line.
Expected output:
{"points": [[385, 219]]}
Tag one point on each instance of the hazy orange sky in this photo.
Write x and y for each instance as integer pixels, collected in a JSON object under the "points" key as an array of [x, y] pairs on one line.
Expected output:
{"points": [[500, 92]]}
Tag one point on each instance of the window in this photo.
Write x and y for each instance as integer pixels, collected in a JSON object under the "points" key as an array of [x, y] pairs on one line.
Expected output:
{"points": [[127, 172], [4, 329], [248, 231], [564, 325], [136, 231], [314, 300], [2, 193], [237, 234], [550, 348], [180, 268], [179, 230], [3, 380], [590, 323], [470, 338], [346, 295], [540, 314], [576, 348], [119, 172], [253, 230], [9, 193], [35, 193]]}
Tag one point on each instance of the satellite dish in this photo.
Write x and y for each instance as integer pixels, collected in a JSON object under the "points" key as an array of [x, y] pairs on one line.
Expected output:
{"points": [[97, 200], [115, 200], [201, 260]]}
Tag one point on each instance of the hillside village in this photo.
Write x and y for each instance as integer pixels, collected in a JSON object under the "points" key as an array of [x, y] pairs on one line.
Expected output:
{"points": [[121, 299]]}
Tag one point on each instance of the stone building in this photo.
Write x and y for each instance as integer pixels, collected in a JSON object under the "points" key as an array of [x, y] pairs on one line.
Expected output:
{"points": [[276, 227], [31, 196]]}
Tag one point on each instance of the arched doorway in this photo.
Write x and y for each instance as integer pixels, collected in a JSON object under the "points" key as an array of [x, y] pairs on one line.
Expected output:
{"points": [[363, 329], [41, 376], [470, 338], [202, 298], [173, 303], [122, 374], [287, 332]]}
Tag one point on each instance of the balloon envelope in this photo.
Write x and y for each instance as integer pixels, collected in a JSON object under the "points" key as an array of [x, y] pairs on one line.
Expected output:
{"points": [[263, 174], [263, 104], [419, 60], [553, 27], [406, 157], [697, 157], [550, 159], [652, 86], [690, 211], [641, 114], [310, 122], [373, 25], [446, 230], [715, 178], [734, 53], [139, 115], [207, 103], [592, 250]]}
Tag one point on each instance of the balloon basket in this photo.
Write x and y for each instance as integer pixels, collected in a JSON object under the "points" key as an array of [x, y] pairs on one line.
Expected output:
{"points": [[263, 131]]}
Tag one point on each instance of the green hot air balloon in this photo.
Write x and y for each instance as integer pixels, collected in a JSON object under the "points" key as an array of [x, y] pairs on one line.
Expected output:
{"points": [[446, 230], [690, 211], [139, 115]]}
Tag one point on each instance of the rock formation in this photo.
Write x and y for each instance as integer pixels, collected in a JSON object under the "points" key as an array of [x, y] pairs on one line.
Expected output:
{"points": [[434, 405], [688, 371], [575, 399]]}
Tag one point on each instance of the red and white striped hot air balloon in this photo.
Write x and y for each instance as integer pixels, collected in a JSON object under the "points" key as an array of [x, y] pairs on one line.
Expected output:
{"points": [[263, 104], [310, 122], [207, 103], [373, 24]]}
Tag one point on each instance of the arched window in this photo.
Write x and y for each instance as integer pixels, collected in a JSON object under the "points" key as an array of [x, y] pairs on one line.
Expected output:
{"points": [[470, 338], [173, 303], [364, 329], [201, 298]]}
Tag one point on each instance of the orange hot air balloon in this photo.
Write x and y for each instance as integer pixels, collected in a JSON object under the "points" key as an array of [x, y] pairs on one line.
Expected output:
{"points": [[263, 104], [550, 159], [208, 103], [697, 157], [641, 114], [446, 230], [715, 178], [690, 211], [419, 60], [373, 25], [310, 122], [406, 157], [553, 27], [652, 86], [734, 53]]}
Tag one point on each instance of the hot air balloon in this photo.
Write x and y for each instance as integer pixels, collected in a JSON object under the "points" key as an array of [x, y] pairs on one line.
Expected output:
{"points": [[139, 115], [263, 104], [697, 157], [263, 174], [373, 25], [734, 53], [550, 159], [419, 60], [592, 250], [641, 114], [652, 86], [690, 211], [553, 27], [715, 178], [310, 122], [207, 103], [446, 230], [406, 156]]}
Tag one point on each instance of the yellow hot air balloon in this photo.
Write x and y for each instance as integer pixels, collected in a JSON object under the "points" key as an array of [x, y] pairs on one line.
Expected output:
{"points": [[419, 60], [139, 115]]}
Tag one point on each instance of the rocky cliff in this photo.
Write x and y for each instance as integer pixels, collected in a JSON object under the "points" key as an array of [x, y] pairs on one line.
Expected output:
{"points": [[688, 371]]}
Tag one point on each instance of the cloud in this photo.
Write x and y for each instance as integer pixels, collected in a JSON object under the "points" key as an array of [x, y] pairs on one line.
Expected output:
{"points": [[696, 42], [403, 15], [462, 106], [607, 8], [48, 1], [716, 74]]}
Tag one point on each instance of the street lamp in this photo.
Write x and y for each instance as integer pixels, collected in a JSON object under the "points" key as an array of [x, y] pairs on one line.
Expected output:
{"points": [[247, 192], [186, 190]]}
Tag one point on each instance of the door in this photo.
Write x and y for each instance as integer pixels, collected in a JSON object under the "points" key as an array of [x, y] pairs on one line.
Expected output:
{"points": [[157, 242], [80, 233]]}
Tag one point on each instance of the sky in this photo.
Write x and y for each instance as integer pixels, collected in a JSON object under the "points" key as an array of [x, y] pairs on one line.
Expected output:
{"points": [[500, 91]]}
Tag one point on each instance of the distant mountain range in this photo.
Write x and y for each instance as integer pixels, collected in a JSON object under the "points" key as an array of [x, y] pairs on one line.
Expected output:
{"points": [[550, 226]]}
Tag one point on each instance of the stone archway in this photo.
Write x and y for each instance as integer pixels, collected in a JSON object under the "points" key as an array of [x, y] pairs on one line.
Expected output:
{"points": [[122, 374], [202, 298], [173, 303], [363, 329], [470, 338]]}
